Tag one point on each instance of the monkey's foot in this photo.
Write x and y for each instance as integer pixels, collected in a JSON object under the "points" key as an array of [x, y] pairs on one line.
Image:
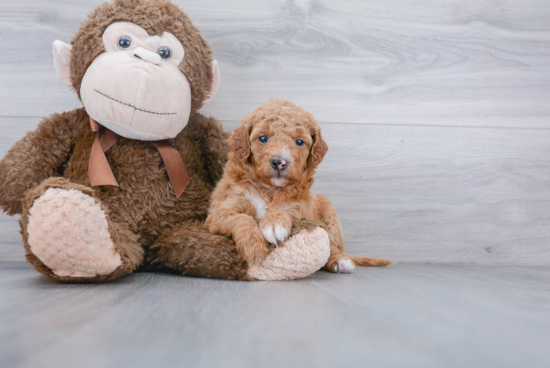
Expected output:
{"points": [[301, 255], [68, 231]]}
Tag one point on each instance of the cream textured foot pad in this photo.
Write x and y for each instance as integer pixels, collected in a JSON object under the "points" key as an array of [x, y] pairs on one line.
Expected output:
{"points": [[69, 233], [303, 254]]}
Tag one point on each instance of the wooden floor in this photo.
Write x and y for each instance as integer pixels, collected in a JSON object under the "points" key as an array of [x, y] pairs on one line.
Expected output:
{"points": [[437, 117], [401, 316]]}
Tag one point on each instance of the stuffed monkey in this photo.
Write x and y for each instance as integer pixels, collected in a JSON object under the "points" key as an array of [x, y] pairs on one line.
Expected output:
{"points": [[123, 183]]}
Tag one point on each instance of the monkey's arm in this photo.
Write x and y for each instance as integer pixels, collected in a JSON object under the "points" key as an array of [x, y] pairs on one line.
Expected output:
{"points": [[42, 153], [215, 149]]}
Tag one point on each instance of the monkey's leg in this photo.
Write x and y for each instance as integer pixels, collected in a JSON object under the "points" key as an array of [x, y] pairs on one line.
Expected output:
{"points": [[190, 249], [68, 235], [305, 251]]}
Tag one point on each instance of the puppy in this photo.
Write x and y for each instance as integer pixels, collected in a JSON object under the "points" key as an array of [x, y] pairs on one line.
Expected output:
{"points": [[266, 185]]}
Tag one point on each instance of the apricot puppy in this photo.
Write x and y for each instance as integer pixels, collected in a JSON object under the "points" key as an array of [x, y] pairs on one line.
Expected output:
{"points": [[266, 185]]}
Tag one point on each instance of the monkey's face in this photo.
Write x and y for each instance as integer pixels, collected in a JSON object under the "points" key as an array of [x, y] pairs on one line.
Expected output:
{"points": [[135, 88], [140, 68]]}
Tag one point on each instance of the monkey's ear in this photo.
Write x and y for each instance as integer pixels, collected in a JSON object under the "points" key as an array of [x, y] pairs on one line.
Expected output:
{"points": [[62, 61], [215, 82]]}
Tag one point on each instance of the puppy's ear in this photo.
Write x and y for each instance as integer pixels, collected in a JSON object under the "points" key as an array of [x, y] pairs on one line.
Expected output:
{"points": [[240, 141], [319, 148]]}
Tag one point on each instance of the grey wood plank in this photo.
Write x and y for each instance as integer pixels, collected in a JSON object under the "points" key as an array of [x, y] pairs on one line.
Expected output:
{"points": [[421, 194], [438, 194], [11, 245], [386, 62], [14, 128], [406, 315]]}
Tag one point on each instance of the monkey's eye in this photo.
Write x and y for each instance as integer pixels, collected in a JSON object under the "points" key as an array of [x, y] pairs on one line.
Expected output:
{"points": [[164, 52], [124, 42], [263, 139], [299, 142]]}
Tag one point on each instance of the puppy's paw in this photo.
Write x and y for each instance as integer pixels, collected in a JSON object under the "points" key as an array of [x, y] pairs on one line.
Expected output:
{"points": [[269, 234], [275, 231], [281, 232], [275, 234], [345, 265], [339, 264]]}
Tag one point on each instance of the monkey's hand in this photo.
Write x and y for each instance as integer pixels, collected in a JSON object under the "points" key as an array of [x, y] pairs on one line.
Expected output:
{"points": [[39, 155]]}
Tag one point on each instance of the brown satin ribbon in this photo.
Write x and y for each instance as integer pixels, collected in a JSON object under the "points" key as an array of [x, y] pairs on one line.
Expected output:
{"points": [[99, 170]]}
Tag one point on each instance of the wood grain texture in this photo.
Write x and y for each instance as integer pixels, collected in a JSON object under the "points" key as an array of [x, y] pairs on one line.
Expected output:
{"points": [[432, 194], [423, 194], [401, 316], [11, 244], [436, 113], [452, 62]]}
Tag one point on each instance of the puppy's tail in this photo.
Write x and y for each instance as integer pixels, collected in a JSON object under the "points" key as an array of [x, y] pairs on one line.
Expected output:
{"points": [[369, 261]]}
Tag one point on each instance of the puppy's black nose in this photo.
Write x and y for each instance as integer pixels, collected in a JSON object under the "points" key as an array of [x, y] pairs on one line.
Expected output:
{"points": [[279, 163]]}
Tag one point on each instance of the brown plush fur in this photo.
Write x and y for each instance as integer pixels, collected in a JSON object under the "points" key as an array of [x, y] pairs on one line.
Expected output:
{"points": [[125, 242], [286, 194], [156, 17], [143, 213], [149, 227]]}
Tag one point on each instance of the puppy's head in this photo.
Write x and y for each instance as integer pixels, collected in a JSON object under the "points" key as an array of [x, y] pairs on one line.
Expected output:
{"points": [[280, 142]]}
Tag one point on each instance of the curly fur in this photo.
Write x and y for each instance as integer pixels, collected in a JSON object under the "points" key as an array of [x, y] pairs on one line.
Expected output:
{"points": [[146, 221], [149, 227], [144, 217], [251, 182]]}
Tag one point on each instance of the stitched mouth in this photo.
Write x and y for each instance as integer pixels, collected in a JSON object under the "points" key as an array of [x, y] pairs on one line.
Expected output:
{"points": [[134, 107]]}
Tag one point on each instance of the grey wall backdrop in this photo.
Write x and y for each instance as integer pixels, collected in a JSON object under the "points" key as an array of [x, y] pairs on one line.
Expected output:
{"points": [[436, 112]]}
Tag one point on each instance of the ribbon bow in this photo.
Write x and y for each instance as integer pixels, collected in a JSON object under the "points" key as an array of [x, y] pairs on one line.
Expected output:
{"points": [[99, 170]]}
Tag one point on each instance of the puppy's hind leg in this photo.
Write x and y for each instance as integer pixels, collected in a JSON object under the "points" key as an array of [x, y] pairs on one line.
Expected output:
{"points": [[339, 261], [345, 263]]}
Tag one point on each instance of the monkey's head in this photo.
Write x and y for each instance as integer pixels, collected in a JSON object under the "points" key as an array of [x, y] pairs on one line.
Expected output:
{"points": [[139, 67]]}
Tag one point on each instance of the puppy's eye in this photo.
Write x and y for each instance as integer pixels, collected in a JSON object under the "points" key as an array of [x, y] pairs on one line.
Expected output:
{"points": [[263, 139], [124, 42], [299, 142]]}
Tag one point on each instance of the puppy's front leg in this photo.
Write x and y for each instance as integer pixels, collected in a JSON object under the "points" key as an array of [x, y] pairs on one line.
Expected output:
{"points": [[276, 225], [243, 228], [249, 240]]}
